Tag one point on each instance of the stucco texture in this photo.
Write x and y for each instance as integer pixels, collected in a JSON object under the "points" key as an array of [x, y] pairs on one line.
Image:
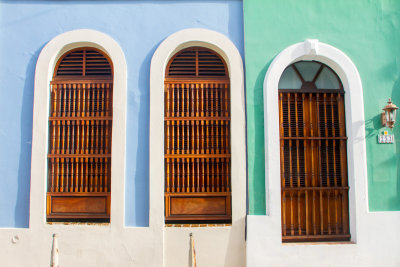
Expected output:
{"points": [[369, 33]]}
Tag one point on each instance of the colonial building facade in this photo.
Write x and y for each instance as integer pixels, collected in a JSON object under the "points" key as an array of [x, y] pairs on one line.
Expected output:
{"points": [[132, 128]]}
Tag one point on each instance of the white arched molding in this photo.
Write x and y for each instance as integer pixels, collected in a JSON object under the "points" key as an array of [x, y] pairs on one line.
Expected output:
{"points": [[355, 126], [225, 48], [44, 71]]}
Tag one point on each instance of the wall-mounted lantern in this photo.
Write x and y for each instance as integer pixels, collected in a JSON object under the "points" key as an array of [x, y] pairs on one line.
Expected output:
{"points": [[388, 117]]}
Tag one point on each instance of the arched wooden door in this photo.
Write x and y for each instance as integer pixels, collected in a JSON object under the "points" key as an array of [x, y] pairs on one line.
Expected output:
{"points": [[313, 154], [197, 138], [80, 128]]}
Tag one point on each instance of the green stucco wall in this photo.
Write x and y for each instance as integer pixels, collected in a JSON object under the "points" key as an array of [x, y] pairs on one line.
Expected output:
{"points": [[368, 31]]}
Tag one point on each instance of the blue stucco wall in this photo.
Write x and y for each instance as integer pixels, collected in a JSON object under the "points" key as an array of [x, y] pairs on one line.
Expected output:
{"points": [[139, 27]]}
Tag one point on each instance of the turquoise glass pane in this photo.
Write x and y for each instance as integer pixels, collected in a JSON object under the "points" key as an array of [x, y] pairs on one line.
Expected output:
{"points": [[307, 69], [327, 80], [289, 80]]}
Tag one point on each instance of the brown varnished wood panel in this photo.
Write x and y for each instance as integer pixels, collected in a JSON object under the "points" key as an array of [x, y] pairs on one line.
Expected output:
{"points": [[78, 205], [198, 206]]}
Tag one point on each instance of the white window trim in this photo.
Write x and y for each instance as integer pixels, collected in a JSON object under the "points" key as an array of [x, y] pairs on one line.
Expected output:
{"points": [[355, 125], [43, 75], [228, 51]]}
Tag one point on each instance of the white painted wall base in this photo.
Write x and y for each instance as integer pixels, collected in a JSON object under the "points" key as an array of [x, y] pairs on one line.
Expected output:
{"points": [[215, 246], [90, 245], [377, 244], [82, 245]]}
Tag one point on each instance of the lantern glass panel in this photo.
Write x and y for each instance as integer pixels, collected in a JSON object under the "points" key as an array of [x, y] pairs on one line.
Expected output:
{"points": [[393, 115]]}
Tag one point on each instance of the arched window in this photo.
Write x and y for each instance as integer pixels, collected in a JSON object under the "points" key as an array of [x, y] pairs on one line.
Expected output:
{"points": [[313, 155], [197, 137], [80, 128]]}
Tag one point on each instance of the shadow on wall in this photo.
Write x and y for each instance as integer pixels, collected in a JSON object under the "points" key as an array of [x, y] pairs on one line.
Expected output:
{"points": [[142, 189], [236, 24], [373, 126], [233, 248], [257, 184], [395, 201], [140, 185], [21, 214]]}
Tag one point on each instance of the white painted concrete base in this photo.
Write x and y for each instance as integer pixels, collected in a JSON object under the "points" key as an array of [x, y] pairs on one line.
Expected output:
{"points": [[215, 246], [95, 246], [82, 246], [377, 244]]}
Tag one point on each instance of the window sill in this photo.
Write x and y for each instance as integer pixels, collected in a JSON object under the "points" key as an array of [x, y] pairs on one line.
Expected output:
{"points": [[319, 243], [197, 225]]}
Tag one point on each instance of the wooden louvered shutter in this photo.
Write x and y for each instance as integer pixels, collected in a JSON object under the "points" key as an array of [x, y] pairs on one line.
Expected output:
{"points": [[197, 138], [80, 128], [313, 163]]}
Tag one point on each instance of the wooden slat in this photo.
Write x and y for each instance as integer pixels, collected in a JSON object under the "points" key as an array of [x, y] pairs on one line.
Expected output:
{"points": [[196, 62], [183, 176], [107, 175], [69, 100], [67, 174], [188, 175], [102, 175], [53, 174], [192, 176], [173, 174], [61, 185], [96, 175], [83, 62]]}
